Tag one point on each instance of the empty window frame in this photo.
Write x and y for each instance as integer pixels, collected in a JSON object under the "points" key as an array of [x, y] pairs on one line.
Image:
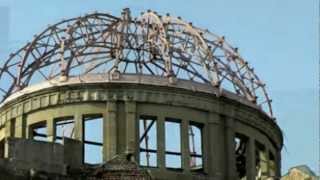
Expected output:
{"points": [[272, 165], [2, 145], [261, 161], [13, 128], [195, 146], [173, 143], [93, 139], [148, 141], [39, 131], [241, 144], [64, 127]]}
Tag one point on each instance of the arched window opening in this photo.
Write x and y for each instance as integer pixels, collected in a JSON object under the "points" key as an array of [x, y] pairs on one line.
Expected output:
{"points": [[148, 141], [195, 146]]}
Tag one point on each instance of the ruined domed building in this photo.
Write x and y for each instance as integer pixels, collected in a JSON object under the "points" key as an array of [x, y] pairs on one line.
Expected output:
{"points": [[152, 97], [301, 172]]}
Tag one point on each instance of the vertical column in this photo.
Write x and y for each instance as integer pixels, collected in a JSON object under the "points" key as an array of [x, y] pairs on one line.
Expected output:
{"points": [[251, 159], [266, 164], [78, 131], [110, 132], [50, 130], [78, 126], [231, 161], [131, 126], [278, 163], [185, 145], [161, 143], [205, 148], [9, 124], [215, 141], [8, 129], [20, 131]]}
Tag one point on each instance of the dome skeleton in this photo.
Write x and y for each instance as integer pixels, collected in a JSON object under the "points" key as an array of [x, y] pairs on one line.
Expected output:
{"points": [[151, 44]]}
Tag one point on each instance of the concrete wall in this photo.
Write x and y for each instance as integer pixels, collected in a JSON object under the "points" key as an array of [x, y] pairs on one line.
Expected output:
{"points": [[49, 157]]}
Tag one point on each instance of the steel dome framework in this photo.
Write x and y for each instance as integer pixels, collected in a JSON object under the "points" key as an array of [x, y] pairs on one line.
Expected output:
{"points": [[151, 44]]}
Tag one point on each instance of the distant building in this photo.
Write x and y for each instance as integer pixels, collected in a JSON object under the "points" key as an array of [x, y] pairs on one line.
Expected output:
{"points": [[301, 172]]}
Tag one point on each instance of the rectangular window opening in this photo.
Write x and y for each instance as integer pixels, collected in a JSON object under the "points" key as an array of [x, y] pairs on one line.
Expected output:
{"points": [[241, 145], [173, 144], [64, 127], [196, 146], [93, 139], [261, 161], [272, 165], [2, 148], [148, 141], [39, 131], [13, 128]]}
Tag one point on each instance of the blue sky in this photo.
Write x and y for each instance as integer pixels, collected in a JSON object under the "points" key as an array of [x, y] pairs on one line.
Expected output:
{"points": [[278, 38]]}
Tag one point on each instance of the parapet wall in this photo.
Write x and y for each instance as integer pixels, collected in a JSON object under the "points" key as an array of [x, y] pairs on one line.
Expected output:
{"points": [[28, 154]]}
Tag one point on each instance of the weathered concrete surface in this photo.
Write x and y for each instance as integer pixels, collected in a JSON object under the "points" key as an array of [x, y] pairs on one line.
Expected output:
{"points": [[28, 154], [72, 153]]}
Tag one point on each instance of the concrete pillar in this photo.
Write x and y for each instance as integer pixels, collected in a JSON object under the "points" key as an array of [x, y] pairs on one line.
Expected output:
{"points": [[9, 125], [161, 143], [131, 126], [50, 130], [78, 130], [267, 164], [78, 126], [278, 163], [205, 148], [185, 146], [251, 159], [9, 130], [20, 129], [215, 140], [110, 131], [230, 148]]}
